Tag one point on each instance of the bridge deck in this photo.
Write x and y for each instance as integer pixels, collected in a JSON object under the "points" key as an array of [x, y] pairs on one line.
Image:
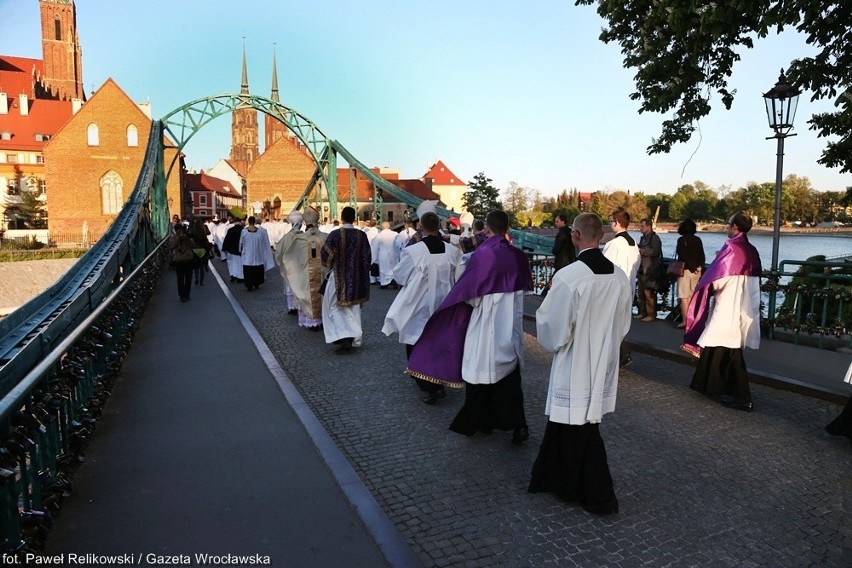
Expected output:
{"points": [[199, 451], [203, 449]]}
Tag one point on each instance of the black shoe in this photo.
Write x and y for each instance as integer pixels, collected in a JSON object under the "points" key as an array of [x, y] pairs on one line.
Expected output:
{"points": [[731, 403], [432, 398], [520, 435], [608, 508], [626, 360], [385, 287], [345, 345], [292, 312]]}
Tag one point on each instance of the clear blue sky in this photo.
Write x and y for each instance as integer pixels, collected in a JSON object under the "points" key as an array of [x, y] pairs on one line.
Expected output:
{"points": [[523, 91]]}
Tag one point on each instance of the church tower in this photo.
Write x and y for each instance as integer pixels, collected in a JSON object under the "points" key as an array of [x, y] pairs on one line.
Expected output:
{"points": [[244, 135], [60, 44], [273, 129]]}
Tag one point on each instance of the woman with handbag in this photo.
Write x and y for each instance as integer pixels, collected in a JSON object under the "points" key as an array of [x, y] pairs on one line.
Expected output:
{"points": [[201, 247], [690, 252]]}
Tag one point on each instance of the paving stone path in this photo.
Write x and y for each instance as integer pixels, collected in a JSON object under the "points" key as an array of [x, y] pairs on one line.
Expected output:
{"points": [[698, 484]]}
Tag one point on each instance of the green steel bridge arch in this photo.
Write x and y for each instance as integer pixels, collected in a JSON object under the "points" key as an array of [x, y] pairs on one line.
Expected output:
{"points": [[183, 123]]}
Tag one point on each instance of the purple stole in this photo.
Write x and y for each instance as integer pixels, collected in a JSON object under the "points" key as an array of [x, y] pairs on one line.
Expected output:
{"points": [[737, 257], [495, 266], [347, 252], [469, 244]]}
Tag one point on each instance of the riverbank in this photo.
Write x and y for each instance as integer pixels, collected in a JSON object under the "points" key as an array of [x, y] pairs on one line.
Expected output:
{"points": [[764, 230], [22, 281]]}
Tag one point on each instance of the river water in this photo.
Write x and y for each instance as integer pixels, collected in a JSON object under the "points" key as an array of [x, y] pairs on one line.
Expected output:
{"points": [[790, 246]]}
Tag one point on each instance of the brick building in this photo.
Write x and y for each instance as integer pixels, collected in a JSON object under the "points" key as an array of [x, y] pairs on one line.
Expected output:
{"points": [[93, 162], [82, 157], [62, 77], [37, 96], [447, 185], [211, 197]]}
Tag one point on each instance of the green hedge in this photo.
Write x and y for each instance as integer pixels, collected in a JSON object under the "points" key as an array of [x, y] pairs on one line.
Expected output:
{"points": [[18, 255]]}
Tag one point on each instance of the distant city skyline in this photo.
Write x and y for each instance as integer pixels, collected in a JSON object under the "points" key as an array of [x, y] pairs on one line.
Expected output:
{"points": [[525, 93]]}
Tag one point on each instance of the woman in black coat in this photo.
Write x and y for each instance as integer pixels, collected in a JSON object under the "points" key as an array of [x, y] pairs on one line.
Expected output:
{"points": [[201, 247], [690, 250]]}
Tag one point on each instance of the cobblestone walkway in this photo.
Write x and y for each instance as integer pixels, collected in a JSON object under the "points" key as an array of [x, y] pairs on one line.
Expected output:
{"points": [[698, 484]]}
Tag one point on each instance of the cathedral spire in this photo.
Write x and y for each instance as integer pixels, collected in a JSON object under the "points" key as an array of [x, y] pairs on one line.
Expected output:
{"points": [[274, 128], [244, 130], [244, 90], [274, 96]]}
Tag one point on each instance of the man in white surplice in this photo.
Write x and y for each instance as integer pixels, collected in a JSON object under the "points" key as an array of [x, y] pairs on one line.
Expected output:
{"points": [[256, 254], [426, 273], [622, 251], [384, 254], [582, 320]]}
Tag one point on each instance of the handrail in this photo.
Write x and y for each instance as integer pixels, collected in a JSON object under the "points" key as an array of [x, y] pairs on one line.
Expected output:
{"points": [[815, 307], [34, 328], [48, 416], [15, 398]]}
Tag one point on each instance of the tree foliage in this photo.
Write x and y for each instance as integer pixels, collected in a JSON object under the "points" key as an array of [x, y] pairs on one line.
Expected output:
{"points": [[603, 204], [31, 211], [684, 52], [481, 196], [693, 201], [516, 198], [237, 212]]}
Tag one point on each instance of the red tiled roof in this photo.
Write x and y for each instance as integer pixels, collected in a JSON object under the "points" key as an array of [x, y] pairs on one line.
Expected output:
{"points": [[204, 182], [417, 188], [440, 174], [16, 75], [44, 117]]}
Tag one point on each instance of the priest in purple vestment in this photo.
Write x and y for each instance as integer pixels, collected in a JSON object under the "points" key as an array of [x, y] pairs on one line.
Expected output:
{"points": [[724, 317], [475, 339], [346, 255]]}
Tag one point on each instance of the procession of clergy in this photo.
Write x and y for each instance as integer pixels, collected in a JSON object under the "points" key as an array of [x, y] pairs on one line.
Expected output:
{"points": [[459, 315]]}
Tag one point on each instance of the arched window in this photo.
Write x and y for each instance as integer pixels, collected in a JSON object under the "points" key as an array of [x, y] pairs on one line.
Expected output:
{"points": [[111, 186], [57, 28], [132, 136], [92, 136]]}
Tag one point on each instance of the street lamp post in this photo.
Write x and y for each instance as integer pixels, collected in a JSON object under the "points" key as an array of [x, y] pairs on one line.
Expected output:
{"points": [[781, 102]]}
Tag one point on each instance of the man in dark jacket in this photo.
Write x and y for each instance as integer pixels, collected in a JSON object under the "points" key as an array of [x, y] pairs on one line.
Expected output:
{"points": [[651, 250], [563, 248]]}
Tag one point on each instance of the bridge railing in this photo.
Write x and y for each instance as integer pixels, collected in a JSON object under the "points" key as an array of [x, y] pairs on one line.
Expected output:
{"points": [[47, 418], [814, 302], [31, 331], [813, 305], [59, 352]]}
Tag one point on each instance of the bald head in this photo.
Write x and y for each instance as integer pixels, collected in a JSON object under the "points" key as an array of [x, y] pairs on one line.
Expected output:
{"points": [[587, 231]]}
